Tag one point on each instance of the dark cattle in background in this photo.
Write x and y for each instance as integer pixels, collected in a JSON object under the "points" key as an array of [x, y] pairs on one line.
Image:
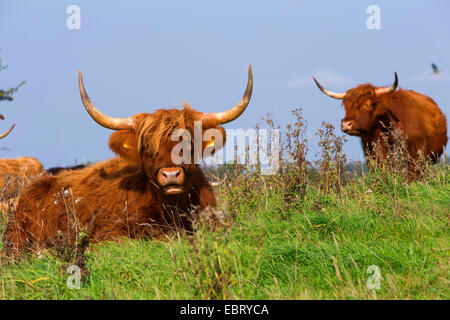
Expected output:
{"points": [[139, 193], [370, 112], [56, 170]]}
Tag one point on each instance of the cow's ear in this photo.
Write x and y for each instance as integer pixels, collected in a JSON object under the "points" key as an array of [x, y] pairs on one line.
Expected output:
{"points": [[213, 140], [124, 144]]}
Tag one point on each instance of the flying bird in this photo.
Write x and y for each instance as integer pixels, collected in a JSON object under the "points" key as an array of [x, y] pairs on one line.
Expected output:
{"points": [[436, 70]]}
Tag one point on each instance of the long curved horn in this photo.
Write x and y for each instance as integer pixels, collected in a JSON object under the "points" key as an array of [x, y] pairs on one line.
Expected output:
{"points": [[4, 134], [336, 95], [100, 118], [233, 113], [389, 89]]}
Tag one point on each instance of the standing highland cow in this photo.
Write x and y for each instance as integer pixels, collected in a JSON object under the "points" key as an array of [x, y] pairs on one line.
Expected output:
{"points": [[371, 112], [141, 192]]}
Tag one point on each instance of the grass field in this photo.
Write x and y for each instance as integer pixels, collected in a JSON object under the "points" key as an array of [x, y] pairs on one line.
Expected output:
{"points": [[280, 240], [318, 248]]}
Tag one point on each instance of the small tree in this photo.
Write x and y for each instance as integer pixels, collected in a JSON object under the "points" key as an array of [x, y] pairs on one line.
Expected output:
{"points": [[8, 94]]}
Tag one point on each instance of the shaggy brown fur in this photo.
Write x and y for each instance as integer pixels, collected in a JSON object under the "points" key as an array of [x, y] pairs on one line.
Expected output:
{"points": [[418, 116], [117, 197], [16, 173]]}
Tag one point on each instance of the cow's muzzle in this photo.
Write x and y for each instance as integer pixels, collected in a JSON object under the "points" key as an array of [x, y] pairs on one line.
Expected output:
{"points": [[171, 180], [348, 126]]}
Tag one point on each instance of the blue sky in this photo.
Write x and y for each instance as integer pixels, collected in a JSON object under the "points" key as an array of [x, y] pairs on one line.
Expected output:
{"points": [[137, 56]]}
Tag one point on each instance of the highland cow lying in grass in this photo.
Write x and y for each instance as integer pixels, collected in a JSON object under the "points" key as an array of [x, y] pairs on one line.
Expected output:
{"points": [[16, 173], [142, 192]]}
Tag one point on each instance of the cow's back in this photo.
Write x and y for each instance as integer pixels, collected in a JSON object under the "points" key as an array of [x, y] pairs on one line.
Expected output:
{"points": [[421, 120]]}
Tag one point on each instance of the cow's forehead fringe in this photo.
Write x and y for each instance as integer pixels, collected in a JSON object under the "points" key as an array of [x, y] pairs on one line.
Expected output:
{"points": [[359, 95], [152, 129]]}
